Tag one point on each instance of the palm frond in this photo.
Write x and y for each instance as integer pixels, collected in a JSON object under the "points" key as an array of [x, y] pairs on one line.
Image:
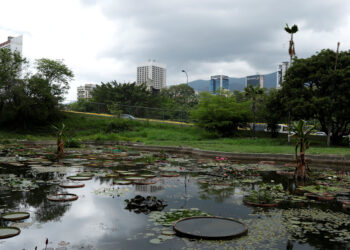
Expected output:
{"points": [[294, 29]]}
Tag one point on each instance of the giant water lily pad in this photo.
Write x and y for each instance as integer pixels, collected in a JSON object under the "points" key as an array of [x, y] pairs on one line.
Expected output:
{"points": [[144, 182], [13, 216], [170, 174], [79, 178], [115, 175], [122, 182], [148, 175], [71, 185], [62, 197], [7, 232], [85, 174], [135, 178], [127, 173], [211, 228]]}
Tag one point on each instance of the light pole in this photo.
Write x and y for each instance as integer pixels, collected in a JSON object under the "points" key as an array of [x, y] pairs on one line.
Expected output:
{"points": [[186, 74], [185, 102]]}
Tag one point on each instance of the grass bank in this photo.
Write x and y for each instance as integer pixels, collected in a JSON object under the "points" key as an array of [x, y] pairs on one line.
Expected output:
{"points": [[89, 127]]}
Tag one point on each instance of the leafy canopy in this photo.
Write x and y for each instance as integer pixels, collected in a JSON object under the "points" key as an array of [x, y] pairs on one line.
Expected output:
{"points": [[314, 89], [220, 114]]}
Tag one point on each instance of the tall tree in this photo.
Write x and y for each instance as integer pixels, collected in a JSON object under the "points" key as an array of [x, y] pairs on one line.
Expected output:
{"points": [[56, 73], [253, 93], [291, 49], [313, 89], [27, 100], [181, 94]]}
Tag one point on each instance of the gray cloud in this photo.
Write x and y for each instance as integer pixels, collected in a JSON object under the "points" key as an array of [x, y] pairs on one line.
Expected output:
{"points": [[180, 33]]}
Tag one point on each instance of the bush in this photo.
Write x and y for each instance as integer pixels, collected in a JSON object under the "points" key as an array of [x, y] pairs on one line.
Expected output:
{"points": [[72, 143], [119, 125], [221, 114]]}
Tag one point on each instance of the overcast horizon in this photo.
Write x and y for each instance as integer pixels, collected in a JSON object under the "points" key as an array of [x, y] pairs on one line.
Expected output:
{"points": [[106, 40]]}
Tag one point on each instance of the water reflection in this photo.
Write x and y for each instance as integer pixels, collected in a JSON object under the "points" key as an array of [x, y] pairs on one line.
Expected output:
{"points": [[97, 220]]}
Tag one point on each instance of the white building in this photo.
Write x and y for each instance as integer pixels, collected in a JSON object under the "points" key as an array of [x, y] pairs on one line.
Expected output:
{"points": [[281, 72], [13, 43], [84, 92], [152, 74]]}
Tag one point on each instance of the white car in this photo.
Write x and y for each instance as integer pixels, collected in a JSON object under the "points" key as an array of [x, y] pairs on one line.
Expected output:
{"points": [[127, 116], [320, 134]]}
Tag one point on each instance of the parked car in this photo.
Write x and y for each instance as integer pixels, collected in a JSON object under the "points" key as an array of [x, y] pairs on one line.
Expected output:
{"points": [[127, 116], [320, 133]]}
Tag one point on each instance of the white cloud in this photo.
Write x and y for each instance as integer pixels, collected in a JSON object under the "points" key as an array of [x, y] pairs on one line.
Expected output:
{"points": [[105, 40]]}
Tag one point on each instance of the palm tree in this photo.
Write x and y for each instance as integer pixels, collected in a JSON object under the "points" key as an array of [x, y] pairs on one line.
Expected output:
{"points": [[302, 143], [291, 31], [253, 93]]}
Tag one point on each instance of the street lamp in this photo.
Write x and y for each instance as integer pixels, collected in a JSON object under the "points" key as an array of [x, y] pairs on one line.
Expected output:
{"points": [[186, 74]]}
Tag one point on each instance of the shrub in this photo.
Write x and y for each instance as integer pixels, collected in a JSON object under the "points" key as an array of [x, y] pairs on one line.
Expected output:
{"points": [[221, 114], [72, 143], [119, 125]]}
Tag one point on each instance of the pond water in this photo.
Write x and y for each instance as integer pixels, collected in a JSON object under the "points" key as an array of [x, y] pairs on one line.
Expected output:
{"points": [[98, 218]]}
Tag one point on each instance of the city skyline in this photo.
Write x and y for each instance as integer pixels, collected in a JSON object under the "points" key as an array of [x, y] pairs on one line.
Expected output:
{"points": [[110, 38]]}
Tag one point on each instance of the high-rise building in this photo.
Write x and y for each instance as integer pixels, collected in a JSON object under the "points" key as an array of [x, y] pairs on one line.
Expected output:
{"points": [[13, 43], [218, 83], [152, 74], [281, 72], [255, 80], [84, 92]]}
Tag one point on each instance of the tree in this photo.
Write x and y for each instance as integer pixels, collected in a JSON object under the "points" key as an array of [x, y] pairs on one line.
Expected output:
{"points": [[273, 111], [291, 49], [314, 89], [56, 73], [220, 114], [302, 143], [181, 94], [253, 93], [26, 101], [130, 97], [11, 65]]}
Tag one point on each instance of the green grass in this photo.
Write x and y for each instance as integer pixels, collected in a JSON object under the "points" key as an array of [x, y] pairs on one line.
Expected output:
{"points": [[88, 127]]}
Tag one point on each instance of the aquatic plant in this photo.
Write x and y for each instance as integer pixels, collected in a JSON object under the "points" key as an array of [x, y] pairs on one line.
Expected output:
{"points": [[302, 143], [59, 138], [167, 218], [266, 194]]}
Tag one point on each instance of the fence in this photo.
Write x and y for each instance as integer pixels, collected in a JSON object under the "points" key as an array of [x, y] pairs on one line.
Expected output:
{"points": [[136, 111]]}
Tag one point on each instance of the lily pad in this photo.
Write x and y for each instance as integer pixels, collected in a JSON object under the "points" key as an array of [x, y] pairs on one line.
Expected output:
{"points": [[122, 182], [85, 174], [13, 216], [72, 185], [79, 178], [211, 228], [170, 174], [8, 232], [148, 175], [135, 178], [62, 197]]}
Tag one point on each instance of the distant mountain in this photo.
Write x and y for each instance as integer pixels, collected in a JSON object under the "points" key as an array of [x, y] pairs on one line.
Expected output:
{"points": [[234, 83], [200, 85]]}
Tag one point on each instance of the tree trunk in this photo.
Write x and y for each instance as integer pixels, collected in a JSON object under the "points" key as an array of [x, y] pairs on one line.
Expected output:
{"points": [[301, 168], [329, 133]]}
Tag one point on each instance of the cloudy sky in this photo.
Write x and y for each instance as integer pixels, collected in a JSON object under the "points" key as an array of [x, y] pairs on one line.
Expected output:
{"points": [[104, 40]]}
